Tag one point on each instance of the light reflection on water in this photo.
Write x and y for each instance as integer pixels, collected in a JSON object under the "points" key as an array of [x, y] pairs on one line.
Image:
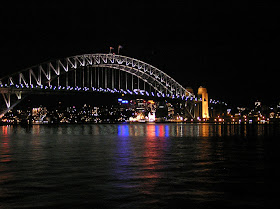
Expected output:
{"points": [[150, 130], [133, 165]]}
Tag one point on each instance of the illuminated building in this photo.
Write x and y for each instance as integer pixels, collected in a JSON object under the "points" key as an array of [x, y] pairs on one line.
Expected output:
{"points": [[202, 105], [170, 109], [151, 117]]}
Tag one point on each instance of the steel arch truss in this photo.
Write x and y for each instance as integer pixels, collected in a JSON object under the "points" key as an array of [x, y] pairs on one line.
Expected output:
{"points": [[44, 73]]}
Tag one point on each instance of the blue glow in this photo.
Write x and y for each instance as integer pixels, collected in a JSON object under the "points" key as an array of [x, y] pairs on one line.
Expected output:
{"points": [[166, 131], [119, 100], [123, 130], [157, 131], [124, 101]]}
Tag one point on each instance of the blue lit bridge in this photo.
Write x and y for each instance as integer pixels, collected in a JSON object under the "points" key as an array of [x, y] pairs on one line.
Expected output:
{"points": [[91, 73]]}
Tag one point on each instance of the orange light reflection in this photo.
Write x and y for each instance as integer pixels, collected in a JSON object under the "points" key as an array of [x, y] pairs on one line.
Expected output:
{"points": [[5, 146], [152, 159]]}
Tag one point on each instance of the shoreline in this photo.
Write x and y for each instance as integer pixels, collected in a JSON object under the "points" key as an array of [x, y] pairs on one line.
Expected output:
{"points": [[271, 122]]}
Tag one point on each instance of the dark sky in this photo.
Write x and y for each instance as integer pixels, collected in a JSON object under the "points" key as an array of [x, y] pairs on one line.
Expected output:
{"points": [[230, 47]]}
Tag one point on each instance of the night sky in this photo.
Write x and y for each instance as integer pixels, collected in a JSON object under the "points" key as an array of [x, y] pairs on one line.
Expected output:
{"points": [[230, 47]]}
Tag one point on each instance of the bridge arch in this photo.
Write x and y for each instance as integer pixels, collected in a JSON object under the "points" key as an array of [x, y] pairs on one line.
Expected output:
{"points": [[58, 72]]}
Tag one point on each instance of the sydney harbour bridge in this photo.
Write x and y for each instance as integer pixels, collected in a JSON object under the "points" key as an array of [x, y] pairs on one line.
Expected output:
{"points": [[109, 73]]}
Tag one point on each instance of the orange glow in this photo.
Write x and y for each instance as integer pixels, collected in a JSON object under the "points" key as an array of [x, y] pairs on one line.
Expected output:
{"points": [[5, 130], [204, 130], [151, 130], [5, 146], [36, 129]]}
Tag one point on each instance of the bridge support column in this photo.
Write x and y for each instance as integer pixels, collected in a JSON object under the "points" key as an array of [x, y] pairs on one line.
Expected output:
{"points": [[203, 95], [10, 104], [7, 99], [18, 94]]}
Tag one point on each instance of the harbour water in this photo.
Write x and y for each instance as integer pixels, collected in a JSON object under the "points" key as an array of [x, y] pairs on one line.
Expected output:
{"points": [[135, 166]]}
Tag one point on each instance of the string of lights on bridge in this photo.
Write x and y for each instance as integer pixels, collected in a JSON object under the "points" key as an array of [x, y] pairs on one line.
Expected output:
{"points": [[105, 90]]}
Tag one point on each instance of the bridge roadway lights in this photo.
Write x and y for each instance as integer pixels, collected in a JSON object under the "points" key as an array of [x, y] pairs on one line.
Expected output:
{"points": [[19, 89], [200, 110]]}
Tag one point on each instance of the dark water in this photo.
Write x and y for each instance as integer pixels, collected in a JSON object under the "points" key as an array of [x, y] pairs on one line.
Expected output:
{"points": [[135, 166]]}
